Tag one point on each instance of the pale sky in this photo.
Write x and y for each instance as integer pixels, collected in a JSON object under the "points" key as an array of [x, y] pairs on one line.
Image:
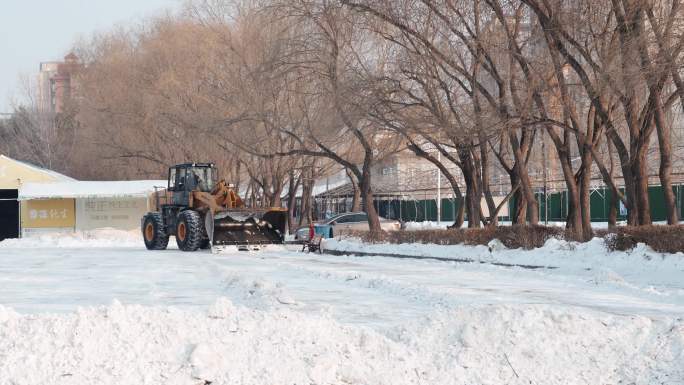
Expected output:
{"points": [[32, 31]]}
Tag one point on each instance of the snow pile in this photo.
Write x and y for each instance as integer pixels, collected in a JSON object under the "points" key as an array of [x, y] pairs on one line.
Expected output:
{"points": [[100, 238], [426, 225], [231, 344]]}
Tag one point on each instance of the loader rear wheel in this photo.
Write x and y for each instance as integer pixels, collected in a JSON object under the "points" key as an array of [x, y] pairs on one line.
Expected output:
{"points": [[154, 233], [189, 230]]}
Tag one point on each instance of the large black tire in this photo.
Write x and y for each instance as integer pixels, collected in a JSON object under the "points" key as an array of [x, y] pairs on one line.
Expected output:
{"points": [[189, 230], [154, 232]]}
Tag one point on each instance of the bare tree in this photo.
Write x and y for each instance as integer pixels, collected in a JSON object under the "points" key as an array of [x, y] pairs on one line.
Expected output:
{"points": [[38, 135], [275, 92], [469, 62], [328, 110], [615, 61]]}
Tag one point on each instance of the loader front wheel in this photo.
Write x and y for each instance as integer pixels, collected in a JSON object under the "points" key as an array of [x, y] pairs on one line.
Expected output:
{"points": [[154, 233], [189, 230]]}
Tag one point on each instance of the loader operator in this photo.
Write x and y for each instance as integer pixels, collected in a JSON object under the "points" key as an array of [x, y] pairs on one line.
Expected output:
{"points": [[199, 182]]}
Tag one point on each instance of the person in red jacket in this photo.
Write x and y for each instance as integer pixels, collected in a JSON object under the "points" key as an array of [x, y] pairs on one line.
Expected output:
{"points": [[312, 232]]}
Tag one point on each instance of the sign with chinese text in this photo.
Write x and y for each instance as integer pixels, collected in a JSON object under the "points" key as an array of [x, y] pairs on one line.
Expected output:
{"points": [[48, 213], [118, 213]]}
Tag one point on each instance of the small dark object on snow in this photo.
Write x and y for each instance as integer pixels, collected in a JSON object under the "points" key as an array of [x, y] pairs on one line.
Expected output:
{"points": [[314, 244]]}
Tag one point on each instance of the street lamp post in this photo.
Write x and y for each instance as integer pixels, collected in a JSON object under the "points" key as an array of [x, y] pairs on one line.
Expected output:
{"points": [[546, 201], [439, 188]]}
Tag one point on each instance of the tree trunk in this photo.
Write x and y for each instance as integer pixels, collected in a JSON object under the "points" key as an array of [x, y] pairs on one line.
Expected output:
{"points": [[460, 213], [527, 192], [586, 143], [236, 177], [473, 206], [640, 173], [607, 176], [293, 186], [585, 197], [356, 200], [519, 216], [532, 204], [630, 191], [473, 193], [484, 179], [613, 209], [275, 199], [367, 196], [481, 164], [306, 215], [573, 221], [665, 170]]}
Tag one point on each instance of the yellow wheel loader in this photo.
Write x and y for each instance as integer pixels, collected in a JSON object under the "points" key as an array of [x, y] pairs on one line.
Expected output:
{"points": [[203, 213]]}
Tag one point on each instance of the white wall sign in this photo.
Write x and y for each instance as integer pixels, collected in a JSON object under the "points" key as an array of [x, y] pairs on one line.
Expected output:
{"points": [[118, 213]]}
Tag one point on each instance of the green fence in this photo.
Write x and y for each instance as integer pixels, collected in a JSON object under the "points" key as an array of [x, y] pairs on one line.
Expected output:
{"points": [[416, 210], [599, 201]]}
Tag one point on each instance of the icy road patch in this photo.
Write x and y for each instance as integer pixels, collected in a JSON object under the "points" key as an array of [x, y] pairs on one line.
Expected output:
{"points": [[101, 309]]}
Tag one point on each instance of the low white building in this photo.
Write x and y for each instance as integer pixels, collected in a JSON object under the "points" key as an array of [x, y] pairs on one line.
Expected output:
{"points": [[85, 205], [14, 174]]}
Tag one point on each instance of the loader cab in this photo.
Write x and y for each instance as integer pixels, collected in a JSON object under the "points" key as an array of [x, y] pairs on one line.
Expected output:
{"points": [[187, 177]]}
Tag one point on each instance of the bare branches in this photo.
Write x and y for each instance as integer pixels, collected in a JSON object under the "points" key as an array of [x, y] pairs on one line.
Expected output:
{"points": [[275, 91]]}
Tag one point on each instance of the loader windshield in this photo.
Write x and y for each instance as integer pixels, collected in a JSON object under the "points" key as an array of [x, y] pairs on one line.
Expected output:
{"points": [[202, 178]]}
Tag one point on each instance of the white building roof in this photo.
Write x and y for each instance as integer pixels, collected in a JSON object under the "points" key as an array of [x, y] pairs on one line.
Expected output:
{"points": [[324, 184], [13, 173], [89, 189], [55, 174]]}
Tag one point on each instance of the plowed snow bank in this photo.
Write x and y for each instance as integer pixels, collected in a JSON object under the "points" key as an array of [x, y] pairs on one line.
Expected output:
{"points": [[641, 266], [94, 238]]}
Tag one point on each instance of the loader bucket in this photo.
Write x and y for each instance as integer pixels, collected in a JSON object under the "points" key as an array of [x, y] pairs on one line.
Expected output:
{"points": [[246, 228]]}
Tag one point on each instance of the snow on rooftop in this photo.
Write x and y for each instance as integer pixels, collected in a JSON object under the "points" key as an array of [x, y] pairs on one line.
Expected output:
{"points": [[89, 189], [321, 186]]}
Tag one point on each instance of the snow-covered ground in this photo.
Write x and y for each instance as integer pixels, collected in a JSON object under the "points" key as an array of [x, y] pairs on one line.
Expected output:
{"points": [[100, 309]]}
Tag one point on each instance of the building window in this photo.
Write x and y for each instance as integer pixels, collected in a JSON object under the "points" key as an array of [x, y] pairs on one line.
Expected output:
{"points": [[387, 170]]}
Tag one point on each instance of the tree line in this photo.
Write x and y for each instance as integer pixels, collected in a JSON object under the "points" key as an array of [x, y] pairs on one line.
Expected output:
{"points": [[279, 92]]}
